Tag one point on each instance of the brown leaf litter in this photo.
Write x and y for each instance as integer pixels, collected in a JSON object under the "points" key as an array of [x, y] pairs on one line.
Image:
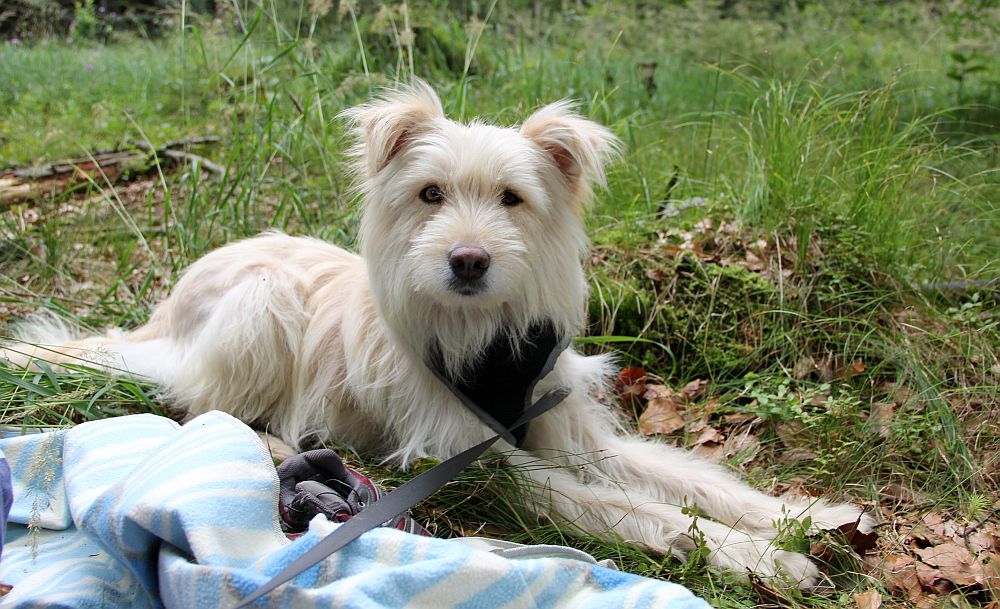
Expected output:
{"points": [[937, 556]]}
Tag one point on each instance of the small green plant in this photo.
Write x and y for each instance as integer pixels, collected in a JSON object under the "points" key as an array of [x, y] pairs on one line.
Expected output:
{"points": [[978, 506], [793, 533], [964, 66], [969, 312], [972, 28], [86, 25]]}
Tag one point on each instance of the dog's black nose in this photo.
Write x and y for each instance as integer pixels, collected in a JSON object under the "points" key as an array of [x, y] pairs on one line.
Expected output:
{"points": [[468, 262]]}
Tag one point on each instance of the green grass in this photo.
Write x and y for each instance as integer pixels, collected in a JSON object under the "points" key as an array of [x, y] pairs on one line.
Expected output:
{"points": [[844, 178]]}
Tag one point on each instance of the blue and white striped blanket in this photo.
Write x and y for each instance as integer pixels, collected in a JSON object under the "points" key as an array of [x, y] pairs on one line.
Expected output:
{"points": [[138, 512]]}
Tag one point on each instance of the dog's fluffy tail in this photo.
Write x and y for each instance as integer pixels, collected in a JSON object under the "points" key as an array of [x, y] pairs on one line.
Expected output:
{"points": [[37, 337]]}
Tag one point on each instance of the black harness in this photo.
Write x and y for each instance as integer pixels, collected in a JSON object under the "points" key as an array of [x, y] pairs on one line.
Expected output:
{"points": [[499, 385], [498, 391]]}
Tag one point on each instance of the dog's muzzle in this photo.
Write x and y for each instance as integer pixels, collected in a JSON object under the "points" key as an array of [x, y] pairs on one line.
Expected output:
{"points": [[468, 266]]}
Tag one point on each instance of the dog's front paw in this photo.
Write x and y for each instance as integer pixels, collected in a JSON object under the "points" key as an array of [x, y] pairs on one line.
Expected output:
{"points": [[795, 568], [744, 554]]}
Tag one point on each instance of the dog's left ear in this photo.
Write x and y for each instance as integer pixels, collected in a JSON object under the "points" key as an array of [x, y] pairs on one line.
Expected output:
{"points": [[385, 126], [578, 147]]}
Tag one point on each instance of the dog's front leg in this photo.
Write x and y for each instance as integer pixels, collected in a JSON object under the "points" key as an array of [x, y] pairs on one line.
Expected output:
{"points": [[586, 434], [675, 474], [618, 513]]}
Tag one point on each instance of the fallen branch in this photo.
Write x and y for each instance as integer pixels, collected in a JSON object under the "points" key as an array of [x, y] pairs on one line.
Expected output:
{"points": [[962, 287], [194, 159], [170, 151], [50, 179]]}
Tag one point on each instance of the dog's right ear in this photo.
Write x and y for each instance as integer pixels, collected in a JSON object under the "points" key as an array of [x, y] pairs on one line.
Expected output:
{"points": [[383, 127]]}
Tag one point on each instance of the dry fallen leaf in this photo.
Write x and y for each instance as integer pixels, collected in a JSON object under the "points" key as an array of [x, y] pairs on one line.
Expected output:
{"points": [[854, 368], [754, 262], [820, 399], [632, 382], [846, 534], [663, 411], [796, 455], [868, 600], [694, 389], [953, 562], [673, 250], [825, 369], [709, 446], [657, 275], [713, 453], [991, 571], [709, 435], [631, 376], [903, 493], [896, 392], [934, 528], [859, 541], [945, 528], [803, 368], [695, 426], [901, 574], [881, 417], [791, 433], [983, 539], [739, 418], [744, 444], [931, 579]]}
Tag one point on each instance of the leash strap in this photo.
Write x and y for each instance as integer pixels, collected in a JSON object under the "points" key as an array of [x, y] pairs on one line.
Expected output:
{"points": [[407, 495]]}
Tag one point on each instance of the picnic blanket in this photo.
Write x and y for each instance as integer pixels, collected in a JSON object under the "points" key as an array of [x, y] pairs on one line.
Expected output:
{"points": [[140, 512]]}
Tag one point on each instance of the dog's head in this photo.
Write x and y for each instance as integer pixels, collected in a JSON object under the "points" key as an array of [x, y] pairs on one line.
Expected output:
{"points": [[470, 228]]}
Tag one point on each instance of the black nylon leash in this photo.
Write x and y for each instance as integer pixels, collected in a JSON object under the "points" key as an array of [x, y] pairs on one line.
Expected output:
{"points": [[425, 484]]}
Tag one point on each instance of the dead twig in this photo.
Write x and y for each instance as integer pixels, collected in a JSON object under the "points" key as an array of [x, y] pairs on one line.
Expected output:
{"points": [[50, 179]]}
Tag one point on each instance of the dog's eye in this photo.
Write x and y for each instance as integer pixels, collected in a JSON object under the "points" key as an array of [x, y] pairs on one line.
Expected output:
{"points": [[510, 199], [432, 194]]}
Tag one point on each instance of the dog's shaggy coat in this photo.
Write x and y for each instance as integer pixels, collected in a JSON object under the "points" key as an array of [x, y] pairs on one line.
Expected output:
{"points": [[468, 231]]}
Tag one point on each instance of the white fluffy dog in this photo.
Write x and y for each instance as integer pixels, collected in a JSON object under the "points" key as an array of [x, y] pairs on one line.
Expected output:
{"points": [[468, 231]]}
